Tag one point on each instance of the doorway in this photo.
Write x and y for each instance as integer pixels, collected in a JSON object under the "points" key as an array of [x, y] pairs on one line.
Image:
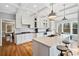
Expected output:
{"points": [[7, 33]]}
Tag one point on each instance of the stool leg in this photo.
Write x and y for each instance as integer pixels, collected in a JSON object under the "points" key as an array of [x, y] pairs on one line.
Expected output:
{"points": [[61, 54]]}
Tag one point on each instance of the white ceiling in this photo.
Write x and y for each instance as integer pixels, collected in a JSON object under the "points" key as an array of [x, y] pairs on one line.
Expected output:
{"points": [[28, 7], [43, 9], [10, 9]]}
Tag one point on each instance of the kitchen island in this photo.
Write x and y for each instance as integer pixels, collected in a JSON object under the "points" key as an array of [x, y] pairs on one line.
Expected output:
{"points": [[46, 46]]}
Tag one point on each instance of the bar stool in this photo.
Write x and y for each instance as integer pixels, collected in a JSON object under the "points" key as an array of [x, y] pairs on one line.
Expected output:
{"points": [[66, 42], [63, 50]]}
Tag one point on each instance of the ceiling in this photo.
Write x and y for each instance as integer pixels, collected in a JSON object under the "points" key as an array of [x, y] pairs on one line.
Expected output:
{"points": [[41, 9], [29, 8], [8, 8], [11, 8]]}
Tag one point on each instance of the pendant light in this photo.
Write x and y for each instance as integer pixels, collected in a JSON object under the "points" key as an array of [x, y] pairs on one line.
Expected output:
{"points": [[52, 15], [64, 14]]}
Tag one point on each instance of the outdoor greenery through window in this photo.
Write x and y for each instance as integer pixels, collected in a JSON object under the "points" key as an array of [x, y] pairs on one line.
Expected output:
{"points": [[75, 28], [66, 28]]}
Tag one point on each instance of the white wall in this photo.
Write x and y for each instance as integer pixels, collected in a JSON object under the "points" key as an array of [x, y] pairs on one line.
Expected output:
{"points": [[52, 25], [7, 16], [0, 32], [71, 13], [78, 20]]}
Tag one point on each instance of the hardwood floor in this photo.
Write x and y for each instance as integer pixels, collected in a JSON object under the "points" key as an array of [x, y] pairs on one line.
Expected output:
{"points": [[11, 49]]}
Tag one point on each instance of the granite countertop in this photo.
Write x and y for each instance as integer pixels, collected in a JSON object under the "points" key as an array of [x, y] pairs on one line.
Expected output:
{"points": [[23, 33], [49, 41]]}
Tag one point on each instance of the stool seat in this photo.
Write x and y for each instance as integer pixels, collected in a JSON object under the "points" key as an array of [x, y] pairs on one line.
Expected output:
{"points": [[61, 48], [66, 41]]}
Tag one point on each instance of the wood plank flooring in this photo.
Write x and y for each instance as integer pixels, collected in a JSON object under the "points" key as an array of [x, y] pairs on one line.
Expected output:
{"points": [[11, 49]]}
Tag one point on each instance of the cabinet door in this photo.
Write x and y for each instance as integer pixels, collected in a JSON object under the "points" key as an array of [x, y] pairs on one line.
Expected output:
{"points": [[19, 39], [35, 48], [18, 21], [40, 49], [43, 50], [27, 37], [26, 19]]}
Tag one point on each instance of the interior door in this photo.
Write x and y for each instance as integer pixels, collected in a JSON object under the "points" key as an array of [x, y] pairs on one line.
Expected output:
{"points": [[0, 32]]}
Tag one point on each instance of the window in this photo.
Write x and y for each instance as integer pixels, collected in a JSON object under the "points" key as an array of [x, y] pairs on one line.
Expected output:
{"points": [[75, 28], [60, 28], [66, 28]]}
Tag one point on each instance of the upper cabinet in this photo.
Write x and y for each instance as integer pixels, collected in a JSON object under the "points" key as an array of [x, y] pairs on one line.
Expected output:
{"points": [[28, 21], [42, 23], [24, 20], [18, 19]]}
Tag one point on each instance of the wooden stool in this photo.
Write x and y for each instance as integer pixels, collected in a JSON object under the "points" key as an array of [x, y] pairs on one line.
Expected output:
{"points": [[62, 49]]}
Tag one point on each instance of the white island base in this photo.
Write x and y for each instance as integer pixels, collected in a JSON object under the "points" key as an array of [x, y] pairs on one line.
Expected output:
{"points": [[46, 46]]}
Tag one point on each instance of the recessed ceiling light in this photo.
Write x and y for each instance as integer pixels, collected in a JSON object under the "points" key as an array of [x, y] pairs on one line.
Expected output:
{"points": [[35, 6], [7, 6]]}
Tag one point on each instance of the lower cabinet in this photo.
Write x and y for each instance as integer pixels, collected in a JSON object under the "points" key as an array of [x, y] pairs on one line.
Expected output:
{"points": [[43, 50], [39, 49], [35, 47], [18, 39], [22, 38]]}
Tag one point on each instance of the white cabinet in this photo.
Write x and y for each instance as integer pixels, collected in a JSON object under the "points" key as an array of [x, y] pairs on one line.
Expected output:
{"points": [[23, 19], [27, 37], [39, 25], [18, 39], [42, 22], [18, 20], [40, 49], [26, 19], [43, 50], [22, 38], [35, 48], [40, 34]]}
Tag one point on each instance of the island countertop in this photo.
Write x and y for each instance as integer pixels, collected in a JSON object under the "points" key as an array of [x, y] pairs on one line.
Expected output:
{"points": [[49, 41]]}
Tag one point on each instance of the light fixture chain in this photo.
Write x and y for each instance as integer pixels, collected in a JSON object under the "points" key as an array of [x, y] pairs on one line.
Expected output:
{"points": [[52, 6], [64, 10]]}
